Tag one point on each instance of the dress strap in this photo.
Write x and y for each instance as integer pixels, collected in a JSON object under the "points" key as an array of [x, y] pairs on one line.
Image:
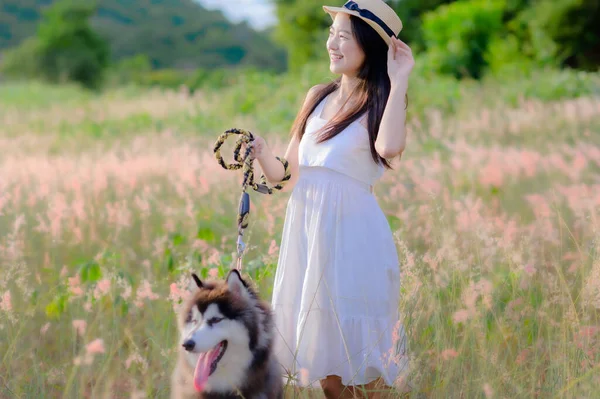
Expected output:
{"points": [[364, 116], [319, 108], [362, 119]]}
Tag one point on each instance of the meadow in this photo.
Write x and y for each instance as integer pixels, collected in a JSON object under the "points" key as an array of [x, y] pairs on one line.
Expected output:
{"points": [[108, 201]]}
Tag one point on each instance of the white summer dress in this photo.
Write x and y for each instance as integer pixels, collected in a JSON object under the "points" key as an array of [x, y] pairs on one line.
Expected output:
{"points": [[337, 284]]}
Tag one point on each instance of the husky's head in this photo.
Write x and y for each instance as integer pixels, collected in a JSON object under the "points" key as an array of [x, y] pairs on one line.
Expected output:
{"points": [[222, 328]]}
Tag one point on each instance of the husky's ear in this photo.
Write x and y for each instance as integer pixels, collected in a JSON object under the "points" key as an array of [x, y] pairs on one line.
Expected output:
{"points": [[196, 283], [237, 285]]}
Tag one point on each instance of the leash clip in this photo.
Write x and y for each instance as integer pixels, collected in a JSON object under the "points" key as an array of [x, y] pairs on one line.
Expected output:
{"points": [[240, 251]]}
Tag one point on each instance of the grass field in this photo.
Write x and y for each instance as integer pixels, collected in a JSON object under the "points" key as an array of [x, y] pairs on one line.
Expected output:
{"points": [[107, 202]]}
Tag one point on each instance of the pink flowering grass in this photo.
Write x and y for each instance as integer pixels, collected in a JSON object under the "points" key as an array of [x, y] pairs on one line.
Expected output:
{"points": [[495, 213]]}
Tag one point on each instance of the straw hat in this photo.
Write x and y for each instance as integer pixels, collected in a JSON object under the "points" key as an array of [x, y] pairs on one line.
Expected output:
{"points": [[374, 12]]}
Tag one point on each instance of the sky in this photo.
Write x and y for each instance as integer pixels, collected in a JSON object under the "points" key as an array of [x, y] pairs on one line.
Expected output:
{"points": [[260, 14]]}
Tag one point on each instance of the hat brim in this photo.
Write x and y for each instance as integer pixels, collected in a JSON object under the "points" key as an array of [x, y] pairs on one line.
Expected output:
{"points": [[332, 11]]}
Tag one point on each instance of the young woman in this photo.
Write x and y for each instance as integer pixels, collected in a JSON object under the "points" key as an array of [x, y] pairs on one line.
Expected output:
{"points": [[337, 283]]}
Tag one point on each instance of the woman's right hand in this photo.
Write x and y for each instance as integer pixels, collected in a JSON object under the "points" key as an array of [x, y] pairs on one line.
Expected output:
{"points": [[259, 148]]}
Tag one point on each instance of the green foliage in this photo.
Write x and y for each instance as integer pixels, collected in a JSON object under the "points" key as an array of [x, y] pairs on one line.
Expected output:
{"points": [[69, 50], [567, 31], [411, 13], [302, 29], [548, 85], [216, 79], [128, 69], [562, 33], [90, 272], [171, 33], [137, 71], [58, 305], [504, 56], [165, 78], [65, 49], [457, 36], [22, 61]]}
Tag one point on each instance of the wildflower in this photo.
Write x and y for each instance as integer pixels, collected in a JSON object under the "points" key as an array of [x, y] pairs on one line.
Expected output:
{"points": [[304, 376], [540, 205], [460, 316], [44, 328], [529, 269], [273, 248], [79, 326], [74, 286], [492, 174], [448, 354], [144, 292], [215, 257], [6, 302], [487, 390], [96, 346], [93, 348], [522, 356], [136, 358], [102, 288]]}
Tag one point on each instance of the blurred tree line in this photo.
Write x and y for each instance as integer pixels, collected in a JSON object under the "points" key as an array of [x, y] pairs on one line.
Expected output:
{"points": [[179, 34], [65, 48], [455, 38], [166, 37]]}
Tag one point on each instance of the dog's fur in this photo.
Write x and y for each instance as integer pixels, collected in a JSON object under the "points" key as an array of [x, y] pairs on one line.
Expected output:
{"points": [[227, 311]]}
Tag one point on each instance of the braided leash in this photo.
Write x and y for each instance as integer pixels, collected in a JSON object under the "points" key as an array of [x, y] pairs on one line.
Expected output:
{"points": [[246, 162]]}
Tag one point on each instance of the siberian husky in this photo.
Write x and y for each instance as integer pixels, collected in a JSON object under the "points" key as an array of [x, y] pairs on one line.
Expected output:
{"points": [[225, 347]]}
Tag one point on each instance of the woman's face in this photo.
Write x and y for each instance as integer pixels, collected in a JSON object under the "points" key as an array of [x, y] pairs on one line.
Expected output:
{"points": [[345, 55]]}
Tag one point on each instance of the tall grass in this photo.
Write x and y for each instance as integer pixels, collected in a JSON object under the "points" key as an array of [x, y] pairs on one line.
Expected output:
{"points": [[106, 204]]}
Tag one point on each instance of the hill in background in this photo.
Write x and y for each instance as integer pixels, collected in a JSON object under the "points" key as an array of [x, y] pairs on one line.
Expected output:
{"points": [[172, 33]]}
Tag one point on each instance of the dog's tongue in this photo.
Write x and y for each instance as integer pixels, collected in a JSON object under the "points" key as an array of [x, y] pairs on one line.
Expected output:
{"points": [[203, 367]]}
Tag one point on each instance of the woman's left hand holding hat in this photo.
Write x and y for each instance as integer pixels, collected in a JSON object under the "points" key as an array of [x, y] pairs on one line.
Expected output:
{"points": [[400, 62]]}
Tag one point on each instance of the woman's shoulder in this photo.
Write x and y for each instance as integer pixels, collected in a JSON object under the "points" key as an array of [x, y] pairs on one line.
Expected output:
{"points": [[316, 88], [312, 94], [314, 91]]}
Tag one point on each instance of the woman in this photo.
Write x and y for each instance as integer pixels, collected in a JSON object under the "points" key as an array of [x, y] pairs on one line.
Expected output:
{"points": [[337, 283]]}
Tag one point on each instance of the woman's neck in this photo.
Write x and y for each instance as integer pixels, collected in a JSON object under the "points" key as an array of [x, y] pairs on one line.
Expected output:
{"points": [[347, 87]]}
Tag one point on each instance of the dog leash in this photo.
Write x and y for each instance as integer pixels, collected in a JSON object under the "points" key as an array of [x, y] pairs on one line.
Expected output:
{"points": [[245, 161]]}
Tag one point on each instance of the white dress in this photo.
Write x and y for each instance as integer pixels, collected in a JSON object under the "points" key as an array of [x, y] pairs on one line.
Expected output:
{"points": [[337, 284]]}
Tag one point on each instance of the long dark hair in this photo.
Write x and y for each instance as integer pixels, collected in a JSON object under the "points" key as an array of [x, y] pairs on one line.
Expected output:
{"points": [[371, 92]]}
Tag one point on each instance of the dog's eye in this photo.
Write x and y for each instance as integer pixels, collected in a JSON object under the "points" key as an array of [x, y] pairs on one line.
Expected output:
{"points": [[214, 320], [188, 317]]}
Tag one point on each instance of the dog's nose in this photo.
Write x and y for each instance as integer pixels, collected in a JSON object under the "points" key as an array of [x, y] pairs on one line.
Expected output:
{"points": [[189, 345]]}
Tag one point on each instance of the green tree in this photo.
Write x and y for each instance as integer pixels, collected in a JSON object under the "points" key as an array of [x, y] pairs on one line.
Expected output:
{"points": [[555, 33], [179, 34], [457, 36], [411, 13], [567, 31], [22, 61], [69, 49], [302, 30]]}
